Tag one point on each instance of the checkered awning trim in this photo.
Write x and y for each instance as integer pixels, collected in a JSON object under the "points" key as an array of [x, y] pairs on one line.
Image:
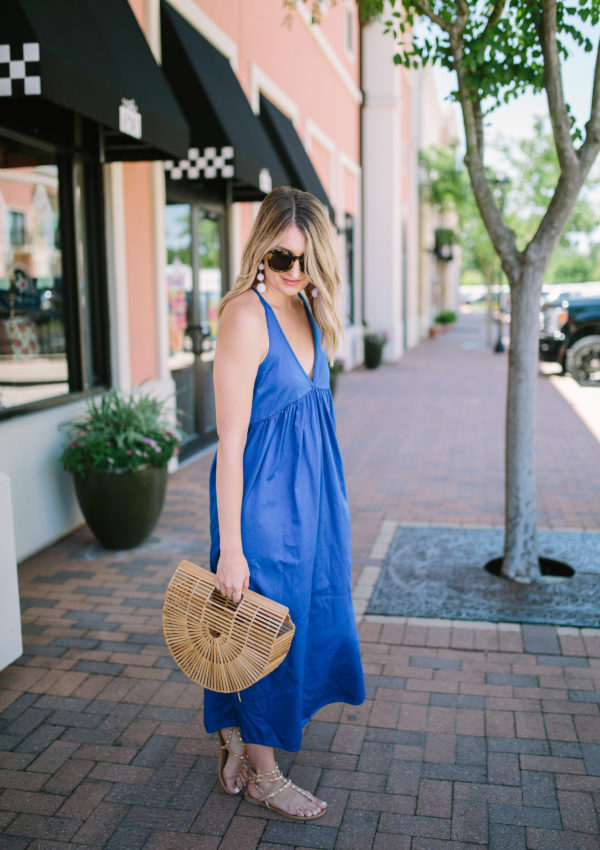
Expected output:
{"points": [[209, 164], [20, 75]]}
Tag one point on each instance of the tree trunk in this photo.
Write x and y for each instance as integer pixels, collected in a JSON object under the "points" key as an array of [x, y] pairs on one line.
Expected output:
{"points": [[520, 561]]}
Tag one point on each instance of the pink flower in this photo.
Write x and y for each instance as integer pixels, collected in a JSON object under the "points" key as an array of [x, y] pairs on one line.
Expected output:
{"points": [[129, 451], [110, 460], [73, 444]]}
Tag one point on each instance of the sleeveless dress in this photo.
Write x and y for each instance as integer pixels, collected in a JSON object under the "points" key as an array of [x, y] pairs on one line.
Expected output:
{"points": [[295, 527]]}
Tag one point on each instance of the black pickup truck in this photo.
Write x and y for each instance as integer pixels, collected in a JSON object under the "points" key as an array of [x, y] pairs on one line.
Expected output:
{"points": [[570, 336]]}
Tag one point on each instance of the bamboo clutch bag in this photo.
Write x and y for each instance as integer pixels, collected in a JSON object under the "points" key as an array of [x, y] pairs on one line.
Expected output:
{"points": [[219, 644]]}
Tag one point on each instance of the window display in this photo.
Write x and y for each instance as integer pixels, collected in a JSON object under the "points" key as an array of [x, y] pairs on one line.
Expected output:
{"points": [[33, 361]]}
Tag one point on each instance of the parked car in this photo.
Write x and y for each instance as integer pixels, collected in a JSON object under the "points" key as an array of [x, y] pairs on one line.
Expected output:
{"points": [[570, 336]]}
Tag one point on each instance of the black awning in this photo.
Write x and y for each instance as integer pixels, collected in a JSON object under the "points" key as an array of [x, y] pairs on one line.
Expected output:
{"points": [[91, 58], [292, 152], [228, 140]]}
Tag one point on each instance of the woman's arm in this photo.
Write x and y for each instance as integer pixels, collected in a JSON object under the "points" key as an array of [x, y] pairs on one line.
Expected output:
{"points": [[242, 342]]}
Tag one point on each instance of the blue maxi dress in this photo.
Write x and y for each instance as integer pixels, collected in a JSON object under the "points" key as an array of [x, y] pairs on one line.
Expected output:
{"points": [[295, 527]]}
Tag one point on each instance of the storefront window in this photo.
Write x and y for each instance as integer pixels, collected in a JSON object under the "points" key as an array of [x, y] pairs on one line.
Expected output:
{"points": [[179, 293], [85, 301], [49, 329], [194, 274], [33, 362], [16, 223]]}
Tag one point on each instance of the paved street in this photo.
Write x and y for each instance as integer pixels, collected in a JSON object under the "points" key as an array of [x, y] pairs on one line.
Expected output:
{"points": [[473, 734]]}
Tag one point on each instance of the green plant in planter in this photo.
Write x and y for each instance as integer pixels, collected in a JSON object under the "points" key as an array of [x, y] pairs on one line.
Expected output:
{"points": [[374, 342], [446, 317], [444, 242], [336, 368], [118, 452]]}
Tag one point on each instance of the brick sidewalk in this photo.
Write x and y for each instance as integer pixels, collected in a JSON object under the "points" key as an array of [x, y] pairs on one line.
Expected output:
{"points": [[472, 735]]}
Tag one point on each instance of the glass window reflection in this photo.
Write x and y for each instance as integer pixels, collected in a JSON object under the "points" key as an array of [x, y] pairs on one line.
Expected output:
{"points": [[33, 361]]}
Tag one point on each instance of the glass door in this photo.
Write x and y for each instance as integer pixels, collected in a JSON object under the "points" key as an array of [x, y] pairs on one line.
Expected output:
{"points": [[195, 275]]}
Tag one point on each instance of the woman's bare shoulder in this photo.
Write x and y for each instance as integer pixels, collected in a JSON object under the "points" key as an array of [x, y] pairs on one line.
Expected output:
{"points": [[245, 308], [244, 318]]}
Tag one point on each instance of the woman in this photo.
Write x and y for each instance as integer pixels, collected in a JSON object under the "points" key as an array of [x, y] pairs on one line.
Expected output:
{"points": [[279, 515]]}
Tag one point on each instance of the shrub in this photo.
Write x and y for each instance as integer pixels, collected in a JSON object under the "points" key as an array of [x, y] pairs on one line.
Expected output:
{"points": [[118, 434]]}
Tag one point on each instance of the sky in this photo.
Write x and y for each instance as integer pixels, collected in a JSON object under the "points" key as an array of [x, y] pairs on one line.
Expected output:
{"points": [[515, 119]]}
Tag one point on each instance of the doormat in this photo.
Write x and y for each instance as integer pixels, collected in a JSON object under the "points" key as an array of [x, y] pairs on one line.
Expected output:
{"points": [[439, 572]]}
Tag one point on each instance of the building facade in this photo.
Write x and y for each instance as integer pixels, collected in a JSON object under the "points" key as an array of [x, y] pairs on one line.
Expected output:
{"points": [[438, 263], [136, 139], [123, 221]]}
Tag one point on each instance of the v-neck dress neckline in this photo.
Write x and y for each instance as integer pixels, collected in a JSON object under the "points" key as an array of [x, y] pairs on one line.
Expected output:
{"points": [[289, 345]]}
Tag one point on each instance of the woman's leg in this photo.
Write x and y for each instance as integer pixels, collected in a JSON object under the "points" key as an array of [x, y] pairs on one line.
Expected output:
{"points": [[235, 771], [292, 801]]}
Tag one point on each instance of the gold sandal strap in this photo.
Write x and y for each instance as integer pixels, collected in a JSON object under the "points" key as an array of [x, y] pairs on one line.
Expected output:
{"points": [[226, 745], [235, 755], [300, 790], [275, 774], [286, 784], [256, 778]]}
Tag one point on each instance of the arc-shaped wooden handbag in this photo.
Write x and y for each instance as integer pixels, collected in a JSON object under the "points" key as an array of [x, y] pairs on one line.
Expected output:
{"points": [[221, 645]]}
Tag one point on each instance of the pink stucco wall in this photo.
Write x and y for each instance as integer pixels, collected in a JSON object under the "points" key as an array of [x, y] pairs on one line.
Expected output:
{"points": [[291, 57], [140, 259], [139, 10], [140, 271], [321, 159], [350, 192]]}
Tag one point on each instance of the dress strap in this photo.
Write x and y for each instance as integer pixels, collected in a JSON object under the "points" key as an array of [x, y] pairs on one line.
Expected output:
{"points": [[269, 309], [254, 289], [273, 322], [313, 321], [269, 315]]}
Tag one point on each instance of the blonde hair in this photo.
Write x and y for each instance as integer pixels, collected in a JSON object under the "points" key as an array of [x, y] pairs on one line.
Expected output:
{"points": [[282, 208]]}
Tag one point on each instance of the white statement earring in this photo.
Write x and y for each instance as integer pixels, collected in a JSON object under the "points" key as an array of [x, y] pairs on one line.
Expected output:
{"points": [[314, 292], [260, 278]]}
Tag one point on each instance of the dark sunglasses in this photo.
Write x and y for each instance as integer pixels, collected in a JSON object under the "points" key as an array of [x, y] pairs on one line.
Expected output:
{"points": [[281, 260]]}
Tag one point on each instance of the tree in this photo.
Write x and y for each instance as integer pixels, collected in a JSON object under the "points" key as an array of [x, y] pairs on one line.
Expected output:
{"points": [[498, 49], [532, 166], [530, 169], [446, 187]]}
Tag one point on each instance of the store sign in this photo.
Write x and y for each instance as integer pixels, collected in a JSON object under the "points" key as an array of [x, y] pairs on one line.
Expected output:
{"points": [[19, 69], [130, 119], [265, 183], [208, 164]]}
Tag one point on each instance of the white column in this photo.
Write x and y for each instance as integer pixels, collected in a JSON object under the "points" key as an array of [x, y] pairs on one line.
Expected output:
{"points": [[382, 219], [412, 219], [116, 255], [11, 643], [160, 275]]}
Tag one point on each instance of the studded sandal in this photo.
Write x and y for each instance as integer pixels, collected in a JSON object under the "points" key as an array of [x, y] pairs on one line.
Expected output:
{"points": [[266, 799], [227, 750]]}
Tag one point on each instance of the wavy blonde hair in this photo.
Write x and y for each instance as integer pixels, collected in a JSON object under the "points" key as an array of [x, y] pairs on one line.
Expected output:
{"points": [[282, 208]]}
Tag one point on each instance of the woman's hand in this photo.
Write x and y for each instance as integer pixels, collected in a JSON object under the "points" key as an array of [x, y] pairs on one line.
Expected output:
{"points": [[233, 575]]}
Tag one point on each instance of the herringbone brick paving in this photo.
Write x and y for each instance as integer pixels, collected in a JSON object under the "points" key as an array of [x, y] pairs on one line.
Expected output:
{"points": [[472, 735]]}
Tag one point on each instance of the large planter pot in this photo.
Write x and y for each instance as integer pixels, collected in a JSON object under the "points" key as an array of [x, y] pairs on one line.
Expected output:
{"points": [[373, 354], [122, 508]]}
